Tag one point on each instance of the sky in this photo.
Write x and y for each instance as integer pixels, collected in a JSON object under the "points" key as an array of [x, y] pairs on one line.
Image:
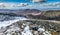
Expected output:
{"points": [[35, 4], [53, 1], [27, 1]]}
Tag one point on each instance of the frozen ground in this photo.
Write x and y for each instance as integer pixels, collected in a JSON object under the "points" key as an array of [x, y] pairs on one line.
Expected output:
{"points": [[6, 20], [10, 26]]}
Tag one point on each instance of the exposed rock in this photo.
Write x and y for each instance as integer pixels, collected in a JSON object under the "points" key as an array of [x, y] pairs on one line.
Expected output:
{"points": [[39, 28]]}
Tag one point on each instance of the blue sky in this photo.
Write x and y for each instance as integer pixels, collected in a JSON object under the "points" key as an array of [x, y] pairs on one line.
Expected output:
{"points": [[52, 0], [27, 1], [54, 4], [14, 1]]}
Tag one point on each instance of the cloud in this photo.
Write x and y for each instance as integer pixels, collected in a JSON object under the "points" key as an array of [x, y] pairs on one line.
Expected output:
{"points": [[2, 5], [30, 6], [22, 4], [54, 4], [38, 0], [13, 4]]}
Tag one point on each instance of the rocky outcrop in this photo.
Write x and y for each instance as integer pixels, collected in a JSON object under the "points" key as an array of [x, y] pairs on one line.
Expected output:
{"points": [[31, 28]]}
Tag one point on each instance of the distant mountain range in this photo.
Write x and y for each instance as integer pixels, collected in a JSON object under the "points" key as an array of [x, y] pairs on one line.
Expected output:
{"points": [[19, 12], [33, 13]]}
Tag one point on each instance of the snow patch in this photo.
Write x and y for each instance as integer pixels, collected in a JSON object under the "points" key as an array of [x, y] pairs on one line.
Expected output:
{"points": [[26, 31], [9, 22]]}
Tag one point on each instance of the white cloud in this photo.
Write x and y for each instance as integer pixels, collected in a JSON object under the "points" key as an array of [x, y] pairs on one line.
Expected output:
{"points": [[13, 5], [38, 0], [54, 4], [22, 4], [6, 5], [2, 5], [30, 6]]}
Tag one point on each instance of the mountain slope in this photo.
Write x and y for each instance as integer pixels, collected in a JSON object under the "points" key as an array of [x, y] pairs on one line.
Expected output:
{"points": [[48, 15]]}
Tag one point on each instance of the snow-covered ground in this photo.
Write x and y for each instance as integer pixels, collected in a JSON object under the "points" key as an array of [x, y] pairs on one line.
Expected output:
{"points": [[8, 26], [6, 20], [26, 31]]}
